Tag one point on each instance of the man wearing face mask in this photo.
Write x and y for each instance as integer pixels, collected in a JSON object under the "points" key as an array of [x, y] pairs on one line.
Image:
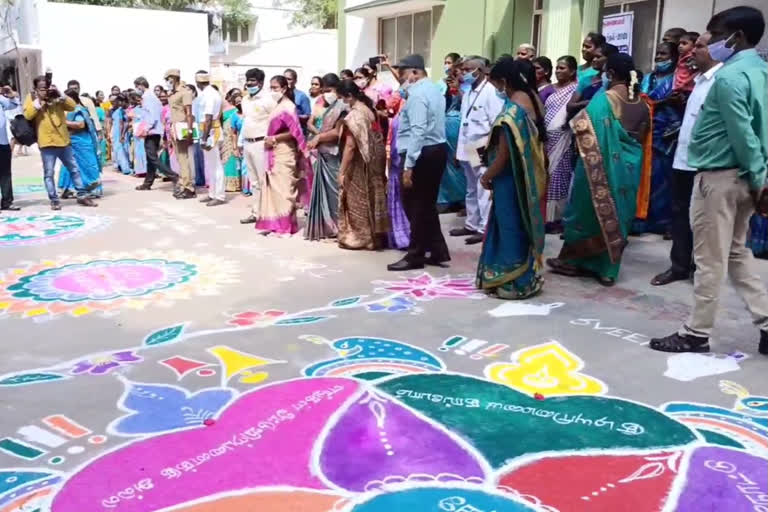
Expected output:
{"points": [[210, 136], [180, 99], [479, 108], [154, 118], [257, 106], [421, 139], [729, 148]]}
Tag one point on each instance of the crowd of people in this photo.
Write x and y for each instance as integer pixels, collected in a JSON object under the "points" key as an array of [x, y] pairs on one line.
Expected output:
{"points": [[597, 154]]}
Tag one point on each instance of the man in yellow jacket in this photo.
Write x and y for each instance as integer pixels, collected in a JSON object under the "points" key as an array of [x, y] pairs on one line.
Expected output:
{"points": [[48, 108]]}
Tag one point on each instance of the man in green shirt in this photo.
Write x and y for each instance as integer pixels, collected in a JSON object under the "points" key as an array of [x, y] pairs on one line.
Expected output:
{"points": [[729, 148]]}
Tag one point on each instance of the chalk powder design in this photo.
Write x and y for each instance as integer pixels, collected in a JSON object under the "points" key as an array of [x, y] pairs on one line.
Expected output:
{"points": [[83, 285], [34, 229], [444, 441]]}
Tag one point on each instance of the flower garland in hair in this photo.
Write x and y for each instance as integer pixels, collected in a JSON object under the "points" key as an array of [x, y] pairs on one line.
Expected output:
{"points": [[632, 84]]}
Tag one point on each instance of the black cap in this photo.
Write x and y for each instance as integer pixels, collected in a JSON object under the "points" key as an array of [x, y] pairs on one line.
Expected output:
{"points": [[411, 62]]}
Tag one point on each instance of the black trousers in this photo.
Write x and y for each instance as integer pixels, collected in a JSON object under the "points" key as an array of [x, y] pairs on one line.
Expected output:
{"points": [[152, 147], [680, 228], [420, 203], [6, 185]]}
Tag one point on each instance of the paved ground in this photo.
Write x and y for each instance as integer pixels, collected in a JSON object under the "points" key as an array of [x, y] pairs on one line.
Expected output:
{"points": [[159, 356]]}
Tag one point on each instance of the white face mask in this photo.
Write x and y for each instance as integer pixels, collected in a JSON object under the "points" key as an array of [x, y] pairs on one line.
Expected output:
{"points": [[277, 95], [330, 97], [361, 83], [169, 85]]}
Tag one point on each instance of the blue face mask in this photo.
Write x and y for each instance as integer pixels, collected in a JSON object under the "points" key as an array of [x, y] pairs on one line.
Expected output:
{"points": [[447, 68], [253, 91], [501, 94], [469, 79], [606, 81], [664, 66], [719, 51], [404, 89]]}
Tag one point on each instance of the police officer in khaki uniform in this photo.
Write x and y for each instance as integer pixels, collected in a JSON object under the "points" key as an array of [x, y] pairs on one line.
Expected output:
{"points": [[180, 101]]}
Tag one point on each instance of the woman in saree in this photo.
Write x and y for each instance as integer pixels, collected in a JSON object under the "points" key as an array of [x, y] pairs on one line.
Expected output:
{"points": [[323, 213], [319, 106], [121, 157], [588, 47], [85, 147], [453, 186], [510, 265], [590, 84], [543, 68], [137, 115], [363, 216], [599, 215], [283, 150], [231, 126], [559, 147], [102, 115], [655, 194]]}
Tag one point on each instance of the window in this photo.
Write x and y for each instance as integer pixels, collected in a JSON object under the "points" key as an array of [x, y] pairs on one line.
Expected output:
{"points": [[538, 20], [406, 34], [237, 33], [645, 29]]}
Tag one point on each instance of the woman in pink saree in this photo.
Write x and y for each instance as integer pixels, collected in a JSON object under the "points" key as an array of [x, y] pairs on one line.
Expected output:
{"points": [[284, 149]]}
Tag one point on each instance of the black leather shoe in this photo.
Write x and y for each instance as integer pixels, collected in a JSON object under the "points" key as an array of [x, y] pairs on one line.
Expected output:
{"points": [[474, 239], [403, 265], [251, 219], [677, 344], [144, 186], [462, 232], [764, 343], [11, 208], [670, 276], [186, 194]]}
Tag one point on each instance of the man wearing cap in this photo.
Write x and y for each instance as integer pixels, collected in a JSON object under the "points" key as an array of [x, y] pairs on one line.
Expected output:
{"points": [[154, 118], [421, 137], [210, 137], [180, 101], [257, 106]]}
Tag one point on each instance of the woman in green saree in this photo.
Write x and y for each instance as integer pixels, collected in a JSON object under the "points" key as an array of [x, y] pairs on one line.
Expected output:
{"points": [[510, 265], [609, 135]]}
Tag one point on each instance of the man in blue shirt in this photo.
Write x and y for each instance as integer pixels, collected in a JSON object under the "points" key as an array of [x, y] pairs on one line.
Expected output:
{"points": [[300, 98], [9, 100], [421, 138], [154, 118]]}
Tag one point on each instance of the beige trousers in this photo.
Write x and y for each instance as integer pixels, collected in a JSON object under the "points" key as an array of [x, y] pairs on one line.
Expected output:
{"points": [[255, 160], [185, 154], [720, 212]]}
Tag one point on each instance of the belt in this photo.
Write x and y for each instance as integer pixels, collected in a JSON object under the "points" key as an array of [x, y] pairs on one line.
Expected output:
{"points": [[718, 169], [257, 139]]}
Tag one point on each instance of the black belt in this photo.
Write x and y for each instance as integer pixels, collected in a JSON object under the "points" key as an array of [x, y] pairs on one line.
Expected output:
{"points": [[257, 139]]}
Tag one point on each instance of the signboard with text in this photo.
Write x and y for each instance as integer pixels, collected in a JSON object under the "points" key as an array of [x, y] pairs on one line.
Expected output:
{"points": [[617, 29]]}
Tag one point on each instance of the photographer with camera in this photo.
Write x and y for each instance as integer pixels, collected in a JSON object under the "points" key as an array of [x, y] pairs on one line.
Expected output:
{"points": [[48, 111]]}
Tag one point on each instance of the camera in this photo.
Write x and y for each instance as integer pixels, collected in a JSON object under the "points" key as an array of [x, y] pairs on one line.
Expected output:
{"points": [[53, 93]]}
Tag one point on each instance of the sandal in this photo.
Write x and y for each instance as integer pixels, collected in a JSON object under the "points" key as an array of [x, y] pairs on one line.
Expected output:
{"points": [[606, 281], [677, 344], [560, 267]]}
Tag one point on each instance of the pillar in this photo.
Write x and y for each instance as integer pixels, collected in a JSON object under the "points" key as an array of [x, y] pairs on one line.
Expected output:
{"points": [[563, 25]]}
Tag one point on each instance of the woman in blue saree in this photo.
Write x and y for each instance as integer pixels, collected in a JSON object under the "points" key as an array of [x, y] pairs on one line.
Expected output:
{"points": [[85, 146], [655, 196], [603, 202], [453, 186], [121, 158], [510, 265]]}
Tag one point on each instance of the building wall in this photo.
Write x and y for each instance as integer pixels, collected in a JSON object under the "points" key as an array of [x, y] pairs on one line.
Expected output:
{"points": [[115, 45]]}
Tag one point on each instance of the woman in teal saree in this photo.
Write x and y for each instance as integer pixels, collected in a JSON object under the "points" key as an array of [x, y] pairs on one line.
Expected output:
{"points": [[510, 265], [599, 216]]}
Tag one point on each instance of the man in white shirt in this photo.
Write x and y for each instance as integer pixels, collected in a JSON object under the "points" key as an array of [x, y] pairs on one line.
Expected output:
{"points": [[257, 106], [683, 174], [210, 138], [479, 108]]}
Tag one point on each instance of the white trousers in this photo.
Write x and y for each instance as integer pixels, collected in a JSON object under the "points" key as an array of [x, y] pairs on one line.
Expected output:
{"points": [[253, 153], [214, 173], [478, 199]]}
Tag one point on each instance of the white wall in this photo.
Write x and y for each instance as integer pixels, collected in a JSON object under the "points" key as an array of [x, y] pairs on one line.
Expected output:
{"points": [[276, 45], [105, 46], [692, 15]]}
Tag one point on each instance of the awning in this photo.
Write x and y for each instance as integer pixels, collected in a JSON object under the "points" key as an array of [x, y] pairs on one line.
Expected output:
{"points": [[378, 8]]}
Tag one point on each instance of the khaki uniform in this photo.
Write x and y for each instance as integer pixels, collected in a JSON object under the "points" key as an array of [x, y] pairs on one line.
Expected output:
{"points": [[182, 98]]}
